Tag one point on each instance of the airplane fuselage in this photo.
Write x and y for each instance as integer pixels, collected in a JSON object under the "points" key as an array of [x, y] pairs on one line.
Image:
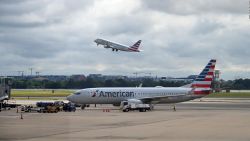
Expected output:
{"points": [[116, 95]]}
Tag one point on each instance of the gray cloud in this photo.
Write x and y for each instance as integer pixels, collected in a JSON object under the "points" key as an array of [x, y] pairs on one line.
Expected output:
{"points": [[135, 24], [179, 37], [186, 7], [204, 26]]}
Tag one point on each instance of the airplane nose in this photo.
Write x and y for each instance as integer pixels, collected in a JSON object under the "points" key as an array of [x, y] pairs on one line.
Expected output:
{"points": [[70, 97]]}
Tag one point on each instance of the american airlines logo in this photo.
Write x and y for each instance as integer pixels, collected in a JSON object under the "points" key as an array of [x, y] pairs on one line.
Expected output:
{"points": [[112, 94], [94, 93]]}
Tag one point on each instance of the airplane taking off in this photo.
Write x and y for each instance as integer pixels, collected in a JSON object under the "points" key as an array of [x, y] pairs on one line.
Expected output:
{"points": [[116, 46], [200, 87]]}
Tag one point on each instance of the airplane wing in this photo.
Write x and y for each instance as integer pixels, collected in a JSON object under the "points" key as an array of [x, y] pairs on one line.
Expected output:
{"points": [[105, 43], [158, 98]]}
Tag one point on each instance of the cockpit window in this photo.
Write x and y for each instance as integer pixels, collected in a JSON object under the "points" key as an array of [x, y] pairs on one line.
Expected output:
{"points": [[77, 93]]}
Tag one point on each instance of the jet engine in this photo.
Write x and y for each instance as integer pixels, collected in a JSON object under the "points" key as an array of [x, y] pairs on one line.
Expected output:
{"points": [[106, 46], [136, 101]]}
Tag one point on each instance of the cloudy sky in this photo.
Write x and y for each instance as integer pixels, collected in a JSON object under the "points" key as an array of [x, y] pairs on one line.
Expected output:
{"points": [[178, 37]]}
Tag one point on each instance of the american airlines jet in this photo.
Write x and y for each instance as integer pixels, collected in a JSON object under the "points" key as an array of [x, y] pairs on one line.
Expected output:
{"points": [[200, 87], [116, 46]]}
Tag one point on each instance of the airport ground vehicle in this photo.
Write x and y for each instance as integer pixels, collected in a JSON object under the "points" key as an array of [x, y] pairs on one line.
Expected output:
{"points": [[30, 108], [45, 109], [5, 105], [127, 106], [49, 107], [26, 108], [69, 107]]}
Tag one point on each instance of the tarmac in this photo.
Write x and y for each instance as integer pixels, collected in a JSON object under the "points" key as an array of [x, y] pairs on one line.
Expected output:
{"points": [[206, 120]]}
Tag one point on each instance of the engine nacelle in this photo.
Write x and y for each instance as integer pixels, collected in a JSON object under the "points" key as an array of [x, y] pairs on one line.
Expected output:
{"points": [[136, 101], [106, 46]]}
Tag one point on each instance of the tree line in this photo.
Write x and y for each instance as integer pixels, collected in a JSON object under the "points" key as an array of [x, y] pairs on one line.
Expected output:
{"points": [[91, 83], [237, 84]]}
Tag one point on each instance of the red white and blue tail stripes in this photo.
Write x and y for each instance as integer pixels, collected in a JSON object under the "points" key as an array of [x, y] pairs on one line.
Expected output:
{"points": [[202, 83], [136, 46]]}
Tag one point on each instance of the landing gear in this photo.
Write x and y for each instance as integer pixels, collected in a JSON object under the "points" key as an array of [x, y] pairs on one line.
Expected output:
{"points": [[83, 106], [114, 49]]}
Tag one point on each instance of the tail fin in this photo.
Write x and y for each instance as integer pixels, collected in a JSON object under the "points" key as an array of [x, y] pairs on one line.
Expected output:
{"points": [[136, 45], [202, 83]]}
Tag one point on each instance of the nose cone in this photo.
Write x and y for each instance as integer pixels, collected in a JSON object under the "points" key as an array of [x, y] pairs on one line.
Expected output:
{"points": [[96, 40], [70, 98]]}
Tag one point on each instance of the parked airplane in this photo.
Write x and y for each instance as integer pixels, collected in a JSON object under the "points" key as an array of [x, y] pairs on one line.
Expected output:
{"points": [[200, 87], [116, 46]]}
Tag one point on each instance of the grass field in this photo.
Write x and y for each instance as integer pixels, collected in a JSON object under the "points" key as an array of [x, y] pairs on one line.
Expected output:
{"points": [[40, 93], [40, 98], [65, 92]]}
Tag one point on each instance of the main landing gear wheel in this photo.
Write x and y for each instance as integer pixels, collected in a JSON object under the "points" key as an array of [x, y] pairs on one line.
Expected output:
{"points": [[125, 110], [83, 106]]}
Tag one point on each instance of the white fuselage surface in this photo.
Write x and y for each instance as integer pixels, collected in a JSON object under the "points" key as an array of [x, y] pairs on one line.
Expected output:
{"points": [[145, 94]]}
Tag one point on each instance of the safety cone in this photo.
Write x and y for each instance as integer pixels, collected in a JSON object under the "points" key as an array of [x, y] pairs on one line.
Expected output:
{"points": [[21, 116]]}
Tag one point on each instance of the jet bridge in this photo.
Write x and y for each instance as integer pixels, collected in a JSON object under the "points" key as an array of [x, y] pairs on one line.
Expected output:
{"points": [[4, 90]]}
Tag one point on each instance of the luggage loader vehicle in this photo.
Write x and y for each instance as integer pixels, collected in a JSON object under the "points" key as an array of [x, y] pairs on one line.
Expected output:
{"points": [[127, 106]]}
